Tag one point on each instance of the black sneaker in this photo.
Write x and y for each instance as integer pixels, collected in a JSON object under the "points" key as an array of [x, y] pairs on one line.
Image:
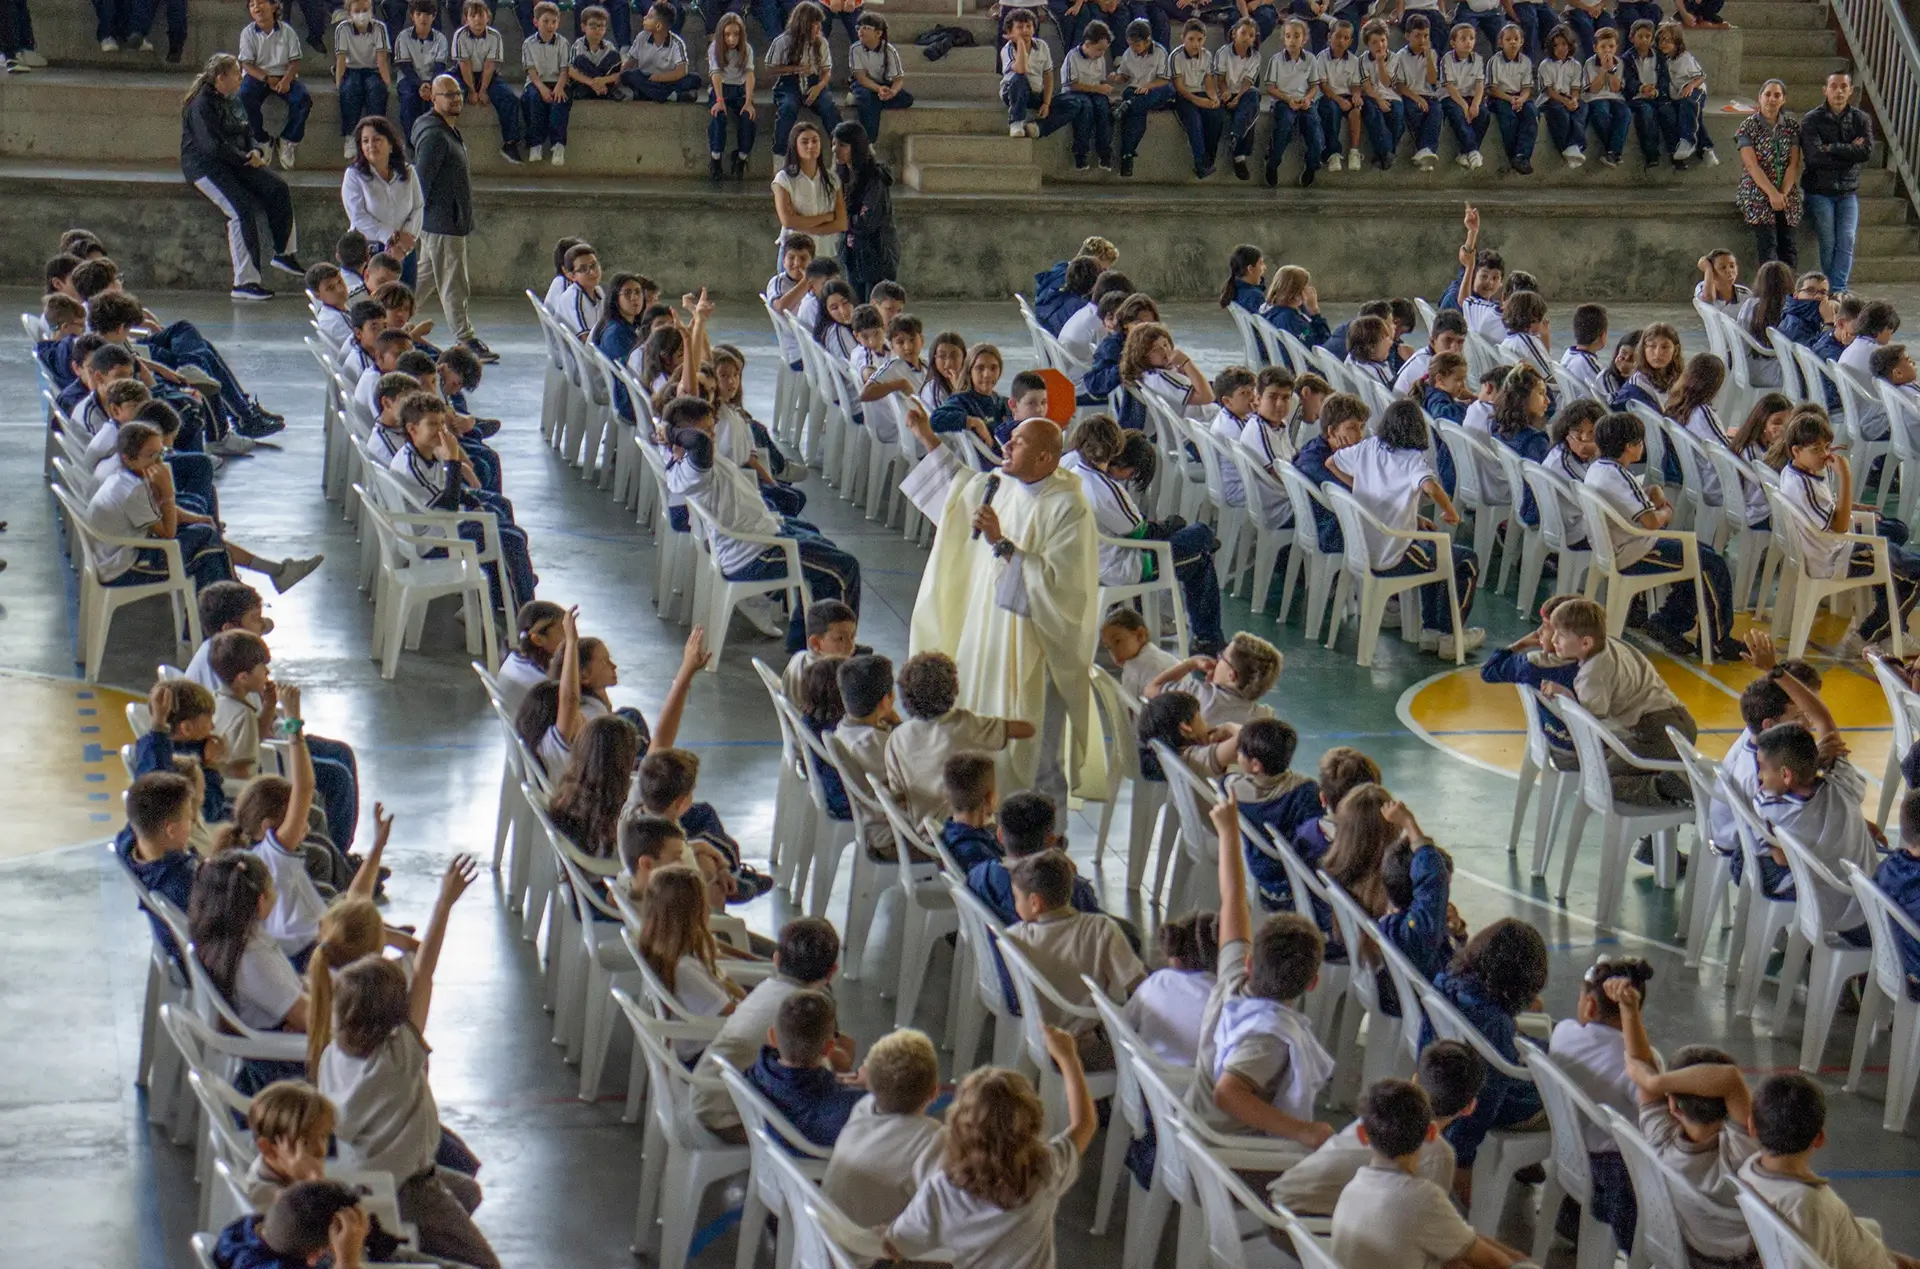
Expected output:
{"points": [[1306, 176], [1080, 163], [1104, 162], [739, 166], [1675, 643], [1386, 163], [713, 170], [484, 428], [287, 262], [511, 153], [251, 292], [480, 350], [255, 428], [1126, 165], [1272, 175], [1522, 168], [1240, 168]]}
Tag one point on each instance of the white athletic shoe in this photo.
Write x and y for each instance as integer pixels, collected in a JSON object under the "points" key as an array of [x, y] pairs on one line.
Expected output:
{"points": [[349, 151], [1852, 646], [1464, 158], [1574, 155], [1710, 158], [558, 155], [763, 615], [292, 572], [1335, 163], [1016, 129], [31, 59], [1424, 160], [1474, 636], [1477, 161], [287, 151], [535, 153], [145, 45], [1033, 128], [109, 45], [231, 445], [1355, 161], [1683, 151]]}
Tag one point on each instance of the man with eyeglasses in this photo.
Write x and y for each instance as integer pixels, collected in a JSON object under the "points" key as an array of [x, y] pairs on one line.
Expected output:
{"points": [[446, 185]]}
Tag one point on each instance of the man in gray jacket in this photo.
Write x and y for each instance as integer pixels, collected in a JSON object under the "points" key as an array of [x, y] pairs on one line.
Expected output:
{"points": [[446, 186]]}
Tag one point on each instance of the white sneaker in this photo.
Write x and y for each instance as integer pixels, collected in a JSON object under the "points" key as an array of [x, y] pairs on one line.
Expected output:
{"points": [[109, 45], [287, 150], [31, 59], [1710, 158], [1354, 160], [763, 615], [1852, 646], [558, 155], [1424, 160], [1574, 155], [1473, 637], [1477, 162], [292, 572], [145, 45], [1033, 128], [1336, 164], [1016, 129], [1683, 151], [1429, 640], [535, 153], [1464, 159], [349, 151], [232, 444]]}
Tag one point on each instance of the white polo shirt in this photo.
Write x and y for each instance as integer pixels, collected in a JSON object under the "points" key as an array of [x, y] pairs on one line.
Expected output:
{"points": [[578, 311], [122, 507], [1228, 428], [1811, 500], [738, 66], [1236, 73], [1620, 489], [1380, 76], [476, 51], [730, 495], [271, 50], [882, 65], [1411, 72], [1510, 75], [1079, 333], [1683, 70], [1565, 76], [362, 45], [1039, 62], [423, 56], [1141, 69], [1294, 76], [1387, 483], [1562, 461], [1078, 69], [545, 58], [1274, 446], [1188, 71], [1703, 424], [1339, 76], [1114, 515], [650, 59], [1483, 318], [1604, 88], [1464, 75]]}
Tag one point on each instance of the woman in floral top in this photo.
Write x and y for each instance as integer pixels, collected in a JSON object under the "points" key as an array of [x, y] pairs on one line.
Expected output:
{"points": [[1769, 196]]}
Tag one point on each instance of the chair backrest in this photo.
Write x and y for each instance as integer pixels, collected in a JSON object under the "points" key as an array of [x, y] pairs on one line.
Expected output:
{"points": [[1569, 1111], [1590, 748], [979, 930], [1212, 462], [1129, 1051], [914, 846], [1266, 496], [1192, 798], [1249, 342], [1553, 499], [1657, 1232], [1355, 523], [1356, 935], [1884, 920], [1223, 1196], [1785, 539], [1697, 473], [1811, 877], [1406, 976], [1450, 1024], [1791, 382], [1779, 1243], [1312, 1253], [1304, 497], [1169, 1112], [670, 1084], [1464, 446], [1703, 776], [1514, 468], [1038, 999], [1299, 356], [1273, 349], [1756, 835], [219, 1103], [1903, 703], [1117, 718], [1903, 417]]}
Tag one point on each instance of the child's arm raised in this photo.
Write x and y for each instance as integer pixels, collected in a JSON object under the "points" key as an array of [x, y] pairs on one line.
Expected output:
{"points": [[1236, 919], [1642, 1069], [568, 721], [1082, 1119], [293, 825], [367, 876], [693, 659], [1225, 740], [460, 873], [1819, 718], [1175, 672]]}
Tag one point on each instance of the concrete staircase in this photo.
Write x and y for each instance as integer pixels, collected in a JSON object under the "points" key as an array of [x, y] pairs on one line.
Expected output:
{"points": [[962, 164]]}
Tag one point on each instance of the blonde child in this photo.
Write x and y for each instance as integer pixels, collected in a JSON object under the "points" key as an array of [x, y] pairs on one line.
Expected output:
{"points": [[1232, 684], [290, 1122], [890, 1145]]}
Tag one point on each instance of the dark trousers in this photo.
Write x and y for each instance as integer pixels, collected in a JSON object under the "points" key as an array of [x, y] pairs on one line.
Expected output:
{"points": [[1241, 117], [193, 477], [1074, 26], [1648, 738], [1610, 120], [1566, 128], [1534, 19], [201, 551], [1773, 239], [1905, 567], [831, 574], [16, 26], [1583, 26], [1333, 126], [406, 92], [1685, 119], [1134, 108], [362, 93], [1681, 612], [1092, 125], [486, 463], [1627, 12], [648, 89], [315, 14], [182, 344], [1646, 127], [1518, 127], [1193, 548], [513, 550], [1286, 122], [1422, 117], [254, 92], [1468, 134], [1383, 127], [112, 19], [1021, 102], [1435, 613], [789, 99], [733, 97], [506, 110], [336, 783], [1203, 126], [243, 195], [546, 121], [867, 107], [1489, 24]]}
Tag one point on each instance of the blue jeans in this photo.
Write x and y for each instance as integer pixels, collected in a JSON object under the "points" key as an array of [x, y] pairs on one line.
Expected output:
{"points": [[201, 550], [1584, 26], [193, 477], [1684, 119], [1092, 125], [336, 782], [1468, 134], [1435, 613], [1287, 121], [1610, 120], [732, 98], [1517, 127], [546, 121], [1076, 25], [1203, 126], [789, 93], [1836, 218], [182, 344], [1646, 126], [1383, 126], [362, 93], [831, 574], [1241, 117], [112, 19], [254, 92], [1627, 12], [1333, 126], [406, 92], [867, 107], [506, 109], [1193, 548], [1566, 128], [1488, 24], [1422, 118], [770, 14], [1905, 567], [647, 89], [1021, 102], [1134, 108], [1534, 19]]}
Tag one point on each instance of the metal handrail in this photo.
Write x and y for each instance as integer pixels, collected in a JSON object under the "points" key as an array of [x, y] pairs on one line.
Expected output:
{"points": [[1886, 61]]}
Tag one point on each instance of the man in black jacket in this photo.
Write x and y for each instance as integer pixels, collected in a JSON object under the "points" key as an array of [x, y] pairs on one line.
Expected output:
{"points": [[1836, 140], [446, 188]]}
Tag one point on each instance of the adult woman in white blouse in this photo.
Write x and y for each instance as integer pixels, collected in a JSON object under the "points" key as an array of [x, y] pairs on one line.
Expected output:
{"points": [[381, 193], [806, 196]]}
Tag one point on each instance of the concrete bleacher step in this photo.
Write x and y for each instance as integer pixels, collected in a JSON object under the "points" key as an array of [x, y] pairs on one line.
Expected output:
{"points": [[1801, 71], [1766, 42], [966, 164], [1802, 15]]}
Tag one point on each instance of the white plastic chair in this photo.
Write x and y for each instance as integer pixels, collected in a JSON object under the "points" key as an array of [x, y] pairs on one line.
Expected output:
{"points": [[1791, 381], [1813, 943], [1659, 1241], [830, 837], [1887, 990], [1039, 1000], [725, 595], [1903, 705], [1903, 435], [1555, 784], [984, 1000], [1162, 585], [1763, 919], [1388, 1054], [407, 582], [1858, 401], [553, 382], [1552, 498], [1801, 593], [768, 1133], [1569, 1175], [1709, 870], [1779, 1243], [1196, 861], [1223, 1198], [1603, 526], [1320, 567], [926, 909], [1356, 524], [1230, 520], [1129, 1120], [1478, 478], [99, 601], [1749, 545], [1147, 820], [166, 984], [1267, 499], [1621, 824], [792, 844]]}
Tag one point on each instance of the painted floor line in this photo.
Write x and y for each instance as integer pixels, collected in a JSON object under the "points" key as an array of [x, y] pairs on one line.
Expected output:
{"points": [[1616, 932]]}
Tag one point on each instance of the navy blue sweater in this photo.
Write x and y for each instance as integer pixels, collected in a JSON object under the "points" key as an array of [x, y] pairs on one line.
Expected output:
{"points": [[811, 1097]]}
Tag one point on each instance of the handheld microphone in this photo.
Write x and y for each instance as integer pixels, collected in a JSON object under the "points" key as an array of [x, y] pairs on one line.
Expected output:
{"points": [[986, 499]]}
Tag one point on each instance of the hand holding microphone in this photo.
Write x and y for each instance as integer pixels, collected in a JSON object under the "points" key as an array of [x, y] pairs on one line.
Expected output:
{"points": [[985, 513]]}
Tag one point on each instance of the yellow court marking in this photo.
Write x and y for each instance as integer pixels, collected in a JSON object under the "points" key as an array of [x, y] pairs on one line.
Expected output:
{"points": [[62, 757], [1482, 724]]}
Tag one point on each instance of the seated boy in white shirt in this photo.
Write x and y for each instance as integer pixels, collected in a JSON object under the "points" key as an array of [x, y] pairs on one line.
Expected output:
{"points": [[328, 285], [1789, 1120], [1233, 683], [1591, 1048], [1810, 790], [1450, 1075], [1140, 660], [1062, 944], [890, 1144], [581, 303], [1763, 704], [917, 750], [1390, 1216], [860, 741], [1236, 392]]}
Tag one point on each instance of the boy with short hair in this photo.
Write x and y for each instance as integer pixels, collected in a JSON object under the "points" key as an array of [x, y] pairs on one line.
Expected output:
{"points": [[889, 1144], [1273, 796], [310, 1222], [544, 101], [478, 51], [1450, 1074], [1591, 1048], [1024, 827], [1144, 75], [1619, 686], [1258, 1067], [831, 627], [329, 286], [1245, 671], [181, 720], [968, 833], [1586, 356], [1062, 944], [290, 1122], [866, 692], [1139, 658], [805, 958], [1392, 1217], [581, 301], [154, 843], [1809, 789], [799, 1065], [1764, 704], [665, 787], [1789, 1120], [935, 727]]}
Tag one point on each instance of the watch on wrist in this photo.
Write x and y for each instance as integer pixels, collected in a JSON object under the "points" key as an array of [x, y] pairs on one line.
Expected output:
{"points": [[1003, 549]]}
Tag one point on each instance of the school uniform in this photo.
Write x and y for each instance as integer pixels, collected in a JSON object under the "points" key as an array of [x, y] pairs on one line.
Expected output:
{"points": [[1417, 76], [1387, 482], [790, 91], [1384, 119], [1267, 1044], [546, 121], [1312, 460], [887, 416], [415, 62], [294, 921], [1621, 491], [1023, 94], [1064, 944], [978, 1232], [1810, 497], [1202, 124], [1564, 463], [579, 310], [1093, 124], [1584, 23], [1486, 16], [471, 56], [880, 1161], [1274, 446], [1682, 114], [1136, 99], [1528, 350], [1300, 78], [1466, 76], [1309, 328], [596, 63], [1313, 1186], [273, 52], [1115, 515], [362, 91], [123, 506], [439, 487], [1339, 77], [812, 1098], [1567, 128], [647, 58], [1237, 74], [1872, 423], [1518, 124], [883, 66], [1638, 71], [1608, 113], [1828, 821]]}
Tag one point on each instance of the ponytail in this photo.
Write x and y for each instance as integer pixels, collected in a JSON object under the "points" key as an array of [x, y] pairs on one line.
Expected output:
{"points": [[217, 65], [350, 929], [1244, 257]]}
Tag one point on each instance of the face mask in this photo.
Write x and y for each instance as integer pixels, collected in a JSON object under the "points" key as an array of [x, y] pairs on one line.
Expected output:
{"points": [[361, 20]]}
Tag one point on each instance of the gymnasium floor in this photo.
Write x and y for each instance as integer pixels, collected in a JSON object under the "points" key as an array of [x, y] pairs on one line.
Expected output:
{"points": [[84, 1183]]}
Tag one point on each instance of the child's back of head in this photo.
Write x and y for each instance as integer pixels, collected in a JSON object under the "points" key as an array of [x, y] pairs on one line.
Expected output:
{"points": [[1047, 877], [1285, 958], [1396, 1116], [929, 685], [648, 837], [1255, 664], [902, 1072], [1452, 1075], [804, 1028], [1026, 823], [1342, 770], [820, 700], [1166, 719], [865, 683], [667, 776], [1507, 961], [299, 1225], [1789, 1114], [996, 1149], [968, 777], [1190, 943], [371, 1000], [808, 950], [1270, 742], [157, 800], [1396, 874], [1693, 1107]]}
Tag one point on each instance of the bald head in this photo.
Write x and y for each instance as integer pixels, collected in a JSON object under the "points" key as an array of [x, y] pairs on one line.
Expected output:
{"points": [[1033, 451], [447, 97]]}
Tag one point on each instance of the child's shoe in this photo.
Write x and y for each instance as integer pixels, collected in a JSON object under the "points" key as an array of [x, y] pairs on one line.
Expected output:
{"points": [[1355, 161], [31, 59], [1126, 165], [1471, 640], [145, 45], [1016, 129], [1424, 160], [1613, 160], [12, 65], [288, 149], [1384, 163], [1241, 169], [292, 571], [1335, 163], [1683, 151], [109, 45], [511, 153], [250, 292], [1464, 158], [1306, 177], [1272, 174], [349, 150], [1033, 128], [739, 165], [557, 155], [1710, 158], [1104, 162], [1477, 160], [1574, 155], [535, 153], [713, 169], [1079, 162], [1522, 168]]}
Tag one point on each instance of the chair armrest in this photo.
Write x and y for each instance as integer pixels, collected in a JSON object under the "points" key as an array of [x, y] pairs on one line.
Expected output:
{"points": [[1161, 551]]}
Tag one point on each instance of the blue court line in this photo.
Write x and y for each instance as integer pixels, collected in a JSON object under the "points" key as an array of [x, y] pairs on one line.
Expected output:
{"points": [[86, 713], [92, 753], [1869, 1174], [83, 696], [705, 1236], [89, 731], [95, 777]]}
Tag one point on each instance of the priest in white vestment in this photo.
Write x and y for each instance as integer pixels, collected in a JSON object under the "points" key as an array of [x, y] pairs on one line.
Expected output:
{"points": [[1011, 594]]}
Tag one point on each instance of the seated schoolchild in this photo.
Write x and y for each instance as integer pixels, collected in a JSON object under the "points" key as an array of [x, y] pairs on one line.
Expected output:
{"points": [[1024, 828], [665, 787], [1417, 878], [1591, 1047], [832, 628], [934, 728], [1174, 720], [1124, 635], [1273, 796], [1619, 687], [1233, 684], [1062, 944], [799, 1068], [154, 842], [1166, 1010], [291, 1123], [805, 959], [311, 1222], [1531, 660], [969, 834], [1449, 335], [889, 1144]]}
